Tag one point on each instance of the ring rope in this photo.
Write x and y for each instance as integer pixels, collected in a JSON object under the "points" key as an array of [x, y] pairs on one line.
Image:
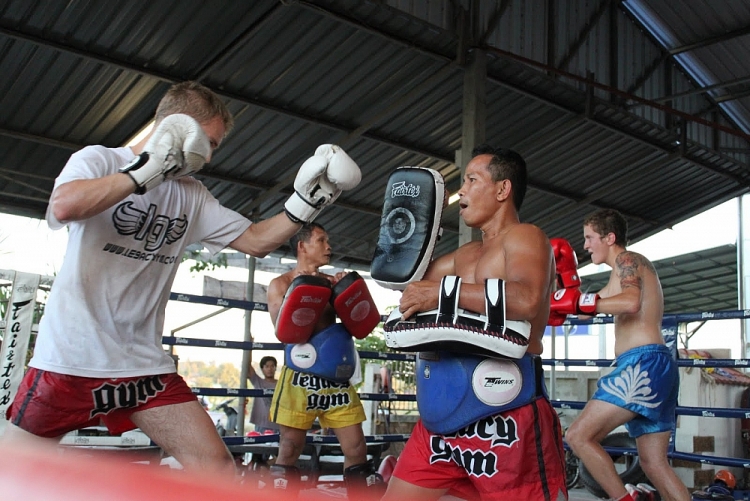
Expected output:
{"points": [[668, 319]]}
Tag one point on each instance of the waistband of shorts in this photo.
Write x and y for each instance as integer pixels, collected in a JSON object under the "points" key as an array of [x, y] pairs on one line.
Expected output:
{"points": [[646, 348]]}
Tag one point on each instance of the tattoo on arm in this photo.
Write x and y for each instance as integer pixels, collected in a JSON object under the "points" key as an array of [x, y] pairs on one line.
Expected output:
{"points": [[629, 266]]}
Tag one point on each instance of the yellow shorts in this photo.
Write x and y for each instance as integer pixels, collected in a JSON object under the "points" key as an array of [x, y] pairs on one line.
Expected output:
{"points": [[300, 398]]}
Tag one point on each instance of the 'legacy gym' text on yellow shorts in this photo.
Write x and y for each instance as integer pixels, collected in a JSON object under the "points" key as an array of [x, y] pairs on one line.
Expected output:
{"points": [[300, 398]]}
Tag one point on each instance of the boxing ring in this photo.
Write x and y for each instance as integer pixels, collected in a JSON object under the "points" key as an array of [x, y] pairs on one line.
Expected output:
{"points": [[670, 325], [670, 328], [320, 445]]}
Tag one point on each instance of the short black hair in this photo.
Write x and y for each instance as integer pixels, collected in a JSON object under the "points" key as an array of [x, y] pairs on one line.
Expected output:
{"points": [[303, 235], [266, 359], [506, 164]]}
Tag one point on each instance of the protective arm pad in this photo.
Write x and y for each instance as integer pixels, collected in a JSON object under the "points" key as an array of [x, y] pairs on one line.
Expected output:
{"points": [[494, 302], [450, 287], [303, 304], [354, 305], [454, 329]]}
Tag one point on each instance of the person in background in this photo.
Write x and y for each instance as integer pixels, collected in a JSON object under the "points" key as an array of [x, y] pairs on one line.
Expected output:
{"points": [[641, 392], [262, 406], [301, 398]]}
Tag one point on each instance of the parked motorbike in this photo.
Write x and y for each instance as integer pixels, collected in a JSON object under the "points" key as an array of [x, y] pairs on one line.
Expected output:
{"points": [[230, 428]]}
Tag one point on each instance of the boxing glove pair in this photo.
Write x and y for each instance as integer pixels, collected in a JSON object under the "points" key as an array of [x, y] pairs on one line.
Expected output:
{"points": [[179, 147], [307, 297]]}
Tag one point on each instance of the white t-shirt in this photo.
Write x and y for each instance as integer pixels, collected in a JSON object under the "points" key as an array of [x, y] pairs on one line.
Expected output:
{"points": [[105, 313]]}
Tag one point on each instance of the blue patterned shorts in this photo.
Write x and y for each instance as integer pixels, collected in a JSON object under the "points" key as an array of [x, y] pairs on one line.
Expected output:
{"points": [[646, 381]]}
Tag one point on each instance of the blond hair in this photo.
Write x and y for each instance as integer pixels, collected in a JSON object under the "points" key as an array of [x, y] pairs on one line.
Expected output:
{"points": [[196, 100]]}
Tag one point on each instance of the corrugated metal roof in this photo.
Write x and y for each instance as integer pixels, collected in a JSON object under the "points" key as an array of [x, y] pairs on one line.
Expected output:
{"points": [[566, 88]]}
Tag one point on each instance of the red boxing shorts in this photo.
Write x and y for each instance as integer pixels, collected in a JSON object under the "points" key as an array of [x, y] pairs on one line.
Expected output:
{"points": [[50, 405], [516, 454]]}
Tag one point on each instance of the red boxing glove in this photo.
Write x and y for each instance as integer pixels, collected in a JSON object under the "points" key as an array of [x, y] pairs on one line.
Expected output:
{"points": [[354, 305], [566, 264], [556, 319], [304, 303], [572, 302]]}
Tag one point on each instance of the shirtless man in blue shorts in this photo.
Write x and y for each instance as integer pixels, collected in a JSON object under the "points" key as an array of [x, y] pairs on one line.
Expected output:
{"points": [[641, 392]]}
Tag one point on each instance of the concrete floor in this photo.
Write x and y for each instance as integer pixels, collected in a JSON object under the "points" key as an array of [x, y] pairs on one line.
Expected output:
{"points": [[580, 495]]}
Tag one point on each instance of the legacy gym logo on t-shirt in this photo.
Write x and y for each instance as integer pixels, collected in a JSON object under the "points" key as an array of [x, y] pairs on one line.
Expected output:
{"points": [[153, 229]]}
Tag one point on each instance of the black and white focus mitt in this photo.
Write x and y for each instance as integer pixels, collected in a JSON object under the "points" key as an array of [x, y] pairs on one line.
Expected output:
{"points": [[409, 226]]}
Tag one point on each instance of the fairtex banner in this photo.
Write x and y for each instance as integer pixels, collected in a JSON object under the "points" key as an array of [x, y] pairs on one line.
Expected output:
{"points": [[18, 321]]}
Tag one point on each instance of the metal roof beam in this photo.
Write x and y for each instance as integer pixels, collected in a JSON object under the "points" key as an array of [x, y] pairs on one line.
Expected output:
{"points": [[238, 42], [494, 21], [441, 57], [219, 177], [30, 186], [45, 201], [282, 111], [738, 179], [700, 90], [267, 189], [647, 72], [732, 97], [711, 40], [40, 140], [355, 134], [618, 92], [584, 33]]}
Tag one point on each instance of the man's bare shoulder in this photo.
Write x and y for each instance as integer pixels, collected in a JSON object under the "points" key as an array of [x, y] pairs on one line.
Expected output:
{"points": [[282, 281], [528, 229], [526, 235], [633, 262]]}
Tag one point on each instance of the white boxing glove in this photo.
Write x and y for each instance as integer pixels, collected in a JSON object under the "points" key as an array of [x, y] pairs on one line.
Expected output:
{"points": [[342, 171], [320, 181], [177, 147]]}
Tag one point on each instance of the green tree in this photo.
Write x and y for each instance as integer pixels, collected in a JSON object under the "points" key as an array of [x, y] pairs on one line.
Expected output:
{"points": [[202, 264], [199, 374]]}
